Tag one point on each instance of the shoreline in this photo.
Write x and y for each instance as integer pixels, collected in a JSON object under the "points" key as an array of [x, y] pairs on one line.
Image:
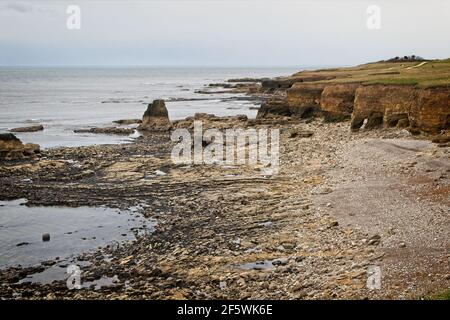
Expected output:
{"points": [[342, 202], [204, 234]]}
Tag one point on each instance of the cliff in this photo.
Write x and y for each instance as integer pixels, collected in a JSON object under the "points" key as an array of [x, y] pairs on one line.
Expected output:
{"points": [[385, 94]]}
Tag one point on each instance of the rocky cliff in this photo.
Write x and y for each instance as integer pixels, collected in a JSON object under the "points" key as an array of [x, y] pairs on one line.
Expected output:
{"points": [[385, 94], [303, 98], [337, 101], [421, 109]]}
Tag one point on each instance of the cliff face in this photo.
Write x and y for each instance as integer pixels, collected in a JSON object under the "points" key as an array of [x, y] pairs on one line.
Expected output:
{"points": [[379, 105], [303, 98], [337, 100], [431, 112], [382, 105], [383, 94], [421, 109], [276, 106]]}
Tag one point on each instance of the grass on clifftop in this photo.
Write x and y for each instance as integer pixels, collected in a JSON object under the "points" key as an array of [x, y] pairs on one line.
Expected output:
{"points": [[432, 73]]}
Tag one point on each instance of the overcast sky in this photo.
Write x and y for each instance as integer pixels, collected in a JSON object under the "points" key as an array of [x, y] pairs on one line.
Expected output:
{"points": [[220, 33]]}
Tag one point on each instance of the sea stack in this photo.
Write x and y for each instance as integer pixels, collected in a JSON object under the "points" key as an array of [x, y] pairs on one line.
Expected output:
{"points": [[156, 117]]}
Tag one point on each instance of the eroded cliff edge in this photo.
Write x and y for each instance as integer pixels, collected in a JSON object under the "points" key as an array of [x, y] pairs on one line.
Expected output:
{"points": [[410, 95]]}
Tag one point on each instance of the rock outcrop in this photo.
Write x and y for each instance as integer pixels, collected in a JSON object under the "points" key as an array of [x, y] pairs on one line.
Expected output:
{"points": [[35, 128], [275, 106], [379, 105], [337, 101], [285, 83], [431, 111], [128, 121], [421, 109], [210, 121], [11, 148], [303, 98], [156, 117], [106, 130]]}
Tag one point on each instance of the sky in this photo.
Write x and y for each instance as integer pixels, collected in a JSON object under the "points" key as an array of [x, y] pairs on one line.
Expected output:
{"points": [[251, 33]]}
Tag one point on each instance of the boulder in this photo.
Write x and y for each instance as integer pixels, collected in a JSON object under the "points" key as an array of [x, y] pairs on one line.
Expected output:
{"points": [[11, 148], [156, 117], [35, 128]]}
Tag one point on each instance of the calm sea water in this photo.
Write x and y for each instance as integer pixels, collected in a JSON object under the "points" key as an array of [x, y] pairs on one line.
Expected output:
{"points": [[64, 99]]}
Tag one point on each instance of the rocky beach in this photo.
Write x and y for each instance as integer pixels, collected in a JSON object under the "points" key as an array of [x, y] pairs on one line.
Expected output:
{"points": [[363, 182]]}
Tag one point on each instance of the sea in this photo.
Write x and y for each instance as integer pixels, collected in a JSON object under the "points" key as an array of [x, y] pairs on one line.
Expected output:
{"points": [[65, 99]]}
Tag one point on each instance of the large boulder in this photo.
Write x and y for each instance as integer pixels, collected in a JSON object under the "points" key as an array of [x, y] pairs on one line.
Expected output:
{"points": [[156, 117], [11, 148]]}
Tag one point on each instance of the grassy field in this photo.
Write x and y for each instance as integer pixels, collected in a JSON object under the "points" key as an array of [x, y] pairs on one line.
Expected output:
{"points": [[432, 73]]}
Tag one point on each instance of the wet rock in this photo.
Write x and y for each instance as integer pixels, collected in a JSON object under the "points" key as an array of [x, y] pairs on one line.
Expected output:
{"points": [[156, 117], [28, 129], [107, 130], [30, 149], [46, 237], [128, 121]]}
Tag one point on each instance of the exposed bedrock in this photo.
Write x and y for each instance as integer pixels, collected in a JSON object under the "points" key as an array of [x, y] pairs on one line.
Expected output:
{"points": [[11, 148], [431, 112], [272, 85], [156, 117], [382, 105], [303, 99], [35, 128], [275, 106], [337, 101], [421, 109]]}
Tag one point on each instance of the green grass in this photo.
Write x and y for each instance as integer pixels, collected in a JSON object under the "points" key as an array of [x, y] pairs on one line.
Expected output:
{"points": [[434, 73]]}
